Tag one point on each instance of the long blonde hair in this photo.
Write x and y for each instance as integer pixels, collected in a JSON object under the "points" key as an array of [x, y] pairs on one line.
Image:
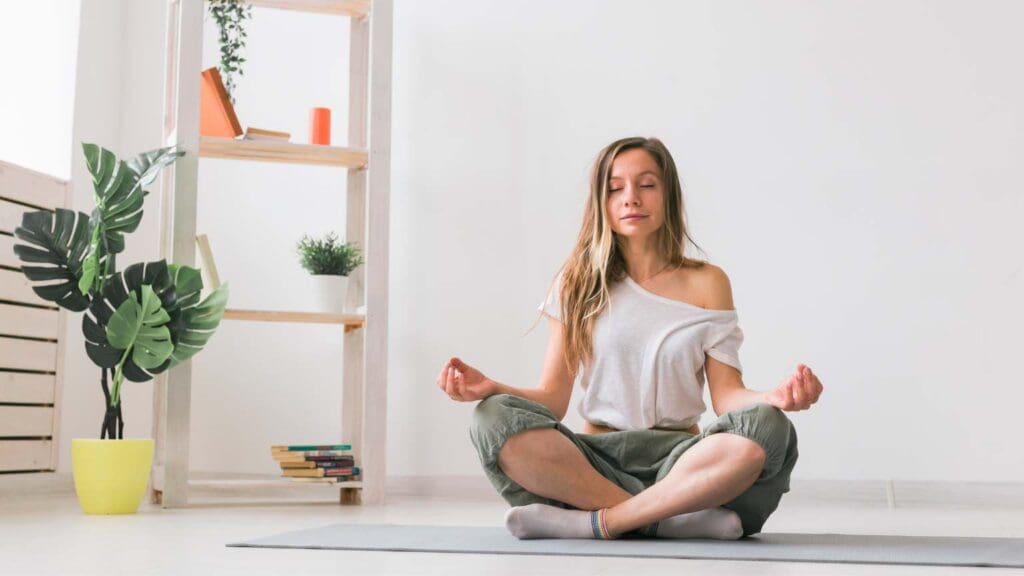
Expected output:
{"points": [[596, 261]]}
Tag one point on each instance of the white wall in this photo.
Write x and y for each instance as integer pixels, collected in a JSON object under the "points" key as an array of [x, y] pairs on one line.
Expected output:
{"points": [[37, 49], [850, 165]]}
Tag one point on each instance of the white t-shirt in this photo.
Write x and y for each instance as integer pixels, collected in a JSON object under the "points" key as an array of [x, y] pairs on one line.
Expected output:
{"points": [[648, 362]]}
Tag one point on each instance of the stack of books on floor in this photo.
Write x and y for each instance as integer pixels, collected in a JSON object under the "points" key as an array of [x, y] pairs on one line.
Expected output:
{"points": [[317, 463]]}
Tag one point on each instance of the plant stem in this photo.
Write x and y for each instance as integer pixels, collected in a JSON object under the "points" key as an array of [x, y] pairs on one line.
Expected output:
{"points": [[106, 404], [120, 423], [118, 378]]}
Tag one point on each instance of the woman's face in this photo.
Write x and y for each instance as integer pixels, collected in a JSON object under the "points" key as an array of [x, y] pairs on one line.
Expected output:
{"points": [[635, 189]]}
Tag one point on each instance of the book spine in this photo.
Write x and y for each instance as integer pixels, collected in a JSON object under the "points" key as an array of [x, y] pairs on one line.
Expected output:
{"points": [[318, 464], [353, 471], [313, 454], [308, 448]]}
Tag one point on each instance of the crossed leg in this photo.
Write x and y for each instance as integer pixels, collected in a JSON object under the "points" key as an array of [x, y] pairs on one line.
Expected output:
{"points": [[712, 472]]}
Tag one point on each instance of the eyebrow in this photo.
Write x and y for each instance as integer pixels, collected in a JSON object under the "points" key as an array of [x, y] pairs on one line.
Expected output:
{"points": [[651, 172]]}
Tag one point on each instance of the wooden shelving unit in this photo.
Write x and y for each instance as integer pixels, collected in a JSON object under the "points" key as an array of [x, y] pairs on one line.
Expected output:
{"points": [[351, 321], [353, 8], [287, 152], [363, 370]]}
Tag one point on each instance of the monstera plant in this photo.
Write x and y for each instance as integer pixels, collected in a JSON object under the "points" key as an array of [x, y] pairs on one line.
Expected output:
{"points": [[138, 322]]}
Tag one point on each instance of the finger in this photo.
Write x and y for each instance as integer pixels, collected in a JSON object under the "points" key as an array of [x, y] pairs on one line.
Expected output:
{"points": [[808, 387], [815, 388], [449, 384], [460, 384], [797, 395], [440, 375], [787, 395]]}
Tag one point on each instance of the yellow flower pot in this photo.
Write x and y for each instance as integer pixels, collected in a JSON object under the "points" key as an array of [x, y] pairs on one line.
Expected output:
{"points": [[111, 475]]}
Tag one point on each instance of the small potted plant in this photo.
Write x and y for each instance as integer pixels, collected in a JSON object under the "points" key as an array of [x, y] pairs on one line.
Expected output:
{"points": [[137, 323], [330, 262]]}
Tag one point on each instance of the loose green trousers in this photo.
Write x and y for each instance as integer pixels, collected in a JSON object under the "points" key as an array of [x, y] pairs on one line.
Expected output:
{"points": [[636, 459]]}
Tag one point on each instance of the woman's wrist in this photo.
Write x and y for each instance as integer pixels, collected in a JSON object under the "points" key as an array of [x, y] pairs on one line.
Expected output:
{"points": [[497, 387]]}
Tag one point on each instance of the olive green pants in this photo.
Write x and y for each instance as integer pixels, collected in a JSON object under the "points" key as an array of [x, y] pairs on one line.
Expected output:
{"points": [[636, 459]]}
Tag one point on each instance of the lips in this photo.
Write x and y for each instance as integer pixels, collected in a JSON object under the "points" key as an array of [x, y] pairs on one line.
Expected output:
{"points": [[634, 217]]}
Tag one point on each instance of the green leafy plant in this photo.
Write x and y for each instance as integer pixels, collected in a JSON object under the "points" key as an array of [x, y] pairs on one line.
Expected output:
{"points": [[327, 255], [230, 16], [139, 322]]}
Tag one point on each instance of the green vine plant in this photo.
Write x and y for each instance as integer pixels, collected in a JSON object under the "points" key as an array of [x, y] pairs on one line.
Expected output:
{"points": [[230, 16]]}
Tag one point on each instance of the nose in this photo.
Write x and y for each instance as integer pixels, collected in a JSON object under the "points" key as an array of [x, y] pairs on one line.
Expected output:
{"points": [[629, 196]]}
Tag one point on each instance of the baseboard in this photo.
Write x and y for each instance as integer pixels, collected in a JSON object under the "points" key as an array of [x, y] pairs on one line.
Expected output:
{"points": [[873, 493]]}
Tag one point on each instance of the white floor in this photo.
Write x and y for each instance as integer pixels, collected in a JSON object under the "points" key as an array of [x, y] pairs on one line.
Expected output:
{"points": [[42, 531]]}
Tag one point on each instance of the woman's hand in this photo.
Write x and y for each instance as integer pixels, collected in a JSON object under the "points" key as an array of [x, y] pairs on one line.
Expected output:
{"points": [[798, 392], [463, 383]]}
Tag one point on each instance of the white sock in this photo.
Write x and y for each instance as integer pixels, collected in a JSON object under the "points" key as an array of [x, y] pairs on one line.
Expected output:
{"points": [[544, 521], [718, 523]]}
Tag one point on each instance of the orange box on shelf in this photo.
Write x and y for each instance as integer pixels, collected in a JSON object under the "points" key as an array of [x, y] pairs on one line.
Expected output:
{"points": [[216, 114]]}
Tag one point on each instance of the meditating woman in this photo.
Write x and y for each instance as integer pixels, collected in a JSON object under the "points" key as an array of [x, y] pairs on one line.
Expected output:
{"points": [[645, 324]]}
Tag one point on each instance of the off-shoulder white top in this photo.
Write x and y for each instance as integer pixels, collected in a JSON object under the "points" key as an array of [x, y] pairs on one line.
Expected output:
{"points": [[648, 362]]}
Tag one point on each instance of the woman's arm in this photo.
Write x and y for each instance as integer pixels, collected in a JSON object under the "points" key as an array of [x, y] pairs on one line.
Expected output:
{"points": [[726, 387], [724, 381], [728, 393], [549, 398], [464, 383], [556, 381]]}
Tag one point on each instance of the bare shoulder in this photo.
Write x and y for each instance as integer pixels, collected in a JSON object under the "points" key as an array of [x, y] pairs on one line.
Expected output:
{"points": [[715, 288]]}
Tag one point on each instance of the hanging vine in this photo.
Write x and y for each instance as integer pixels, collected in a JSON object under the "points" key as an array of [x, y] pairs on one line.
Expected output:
{"points": [[230, 16]]}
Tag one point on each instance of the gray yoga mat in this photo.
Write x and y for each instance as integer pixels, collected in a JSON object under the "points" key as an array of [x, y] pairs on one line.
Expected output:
{"points": [[781, 547]]}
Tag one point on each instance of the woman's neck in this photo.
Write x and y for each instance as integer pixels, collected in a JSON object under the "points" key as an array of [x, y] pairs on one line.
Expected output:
{"points": [[643, 270]]}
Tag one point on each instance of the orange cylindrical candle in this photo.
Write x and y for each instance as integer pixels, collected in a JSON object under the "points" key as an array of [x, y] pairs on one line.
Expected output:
{"points": [[320, 126]]}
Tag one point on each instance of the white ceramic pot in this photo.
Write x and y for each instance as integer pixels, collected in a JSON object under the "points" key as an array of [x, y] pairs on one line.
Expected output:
{"points": [[331, 292]]}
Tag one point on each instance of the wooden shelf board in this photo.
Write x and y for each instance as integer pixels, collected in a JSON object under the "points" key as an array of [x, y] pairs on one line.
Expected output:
{"points": [[241, 483], [354, 8], [349, 320], [287, 152]]}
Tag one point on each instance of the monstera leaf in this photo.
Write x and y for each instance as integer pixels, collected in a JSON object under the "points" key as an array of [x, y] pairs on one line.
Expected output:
{"points": [[189, 322], [139, 328], [119, 196], [148, 164], [193, 322], [98, 346], [57, 240]]}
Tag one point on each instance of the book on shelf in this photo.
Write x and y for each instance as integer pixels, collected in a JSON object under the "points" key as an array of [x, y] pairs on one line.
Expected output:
{"points": [[322, 480], [216, 113], [261, 134], [340, 463], [311, 456], [308, 447], [320, 472]]}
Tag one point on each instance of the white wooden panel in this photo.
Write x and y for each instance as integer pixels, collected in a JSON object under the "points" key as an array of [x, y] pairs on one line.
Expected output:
{"points": [[15, 287], [10, 215], [31, 187], [27, 388], [28, 354], [7, 255], [26, 455], [26, 421], [179, 188], [31, 322], [62, 320], [379, 185]]}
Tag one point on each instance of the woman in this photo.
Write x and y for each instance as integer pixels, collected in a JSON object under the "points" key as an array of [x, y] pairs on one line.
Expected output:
{"points": [[644, 323]]}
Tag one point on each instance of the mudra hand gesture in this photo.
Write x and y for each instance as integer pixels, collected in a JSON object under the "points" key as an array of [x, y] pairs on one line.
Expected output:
{"points": [[797, 392], [463, 383]]}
